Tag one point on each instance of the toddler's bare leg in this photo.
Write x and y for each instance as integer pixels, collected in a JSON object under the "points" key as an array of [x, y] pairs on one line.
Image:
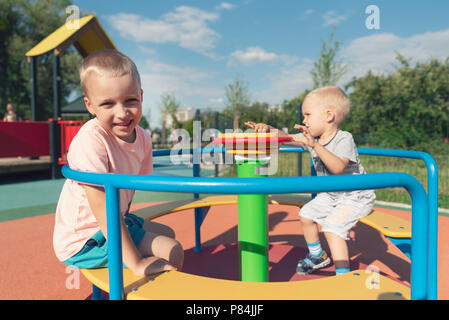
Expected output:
{"points": [[310, 230], [339, 250]]}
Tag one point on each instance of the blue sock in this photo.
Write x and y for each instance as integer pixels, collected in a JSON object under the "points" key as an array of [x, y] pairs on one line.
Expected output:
{"points": [[339, 271], [315, 248]]}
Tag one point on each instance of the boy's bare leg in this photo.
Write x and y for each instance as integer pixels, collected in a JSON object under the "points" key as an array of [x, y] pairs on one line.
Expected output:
{"points": [[159, 245], [166, 252], [158, 228], [152, 265]]}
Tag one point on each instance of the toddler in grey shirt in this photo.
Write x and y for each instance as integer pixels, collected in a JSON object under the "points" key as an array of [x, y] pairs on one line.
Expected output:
{"points": [[333, 152]]}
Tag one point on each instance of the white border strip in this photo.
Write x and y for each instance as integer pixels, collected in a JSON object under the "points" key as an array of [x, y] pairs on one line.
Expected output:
{"points": [[406, 206]]}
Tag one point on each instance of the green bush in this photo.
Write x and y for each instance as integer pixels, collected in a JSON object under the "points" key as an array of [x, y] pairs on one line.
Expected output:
{"points": [[408, 109]]}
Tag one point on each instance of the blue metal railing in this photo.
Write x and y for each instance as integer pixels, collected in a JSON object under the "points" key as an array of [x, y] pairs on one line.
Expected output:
{"points": [[114, 182], [432, 200], [424, 206]]}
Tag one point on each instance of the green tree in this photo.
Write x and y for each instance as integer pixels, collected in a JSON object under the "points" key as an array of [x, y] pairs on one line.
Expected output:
{"points": [[237, 99], [168, 106], [144, 123], [256, 112], [23, 24], [289, 115], [408, 108], [327, 70]]}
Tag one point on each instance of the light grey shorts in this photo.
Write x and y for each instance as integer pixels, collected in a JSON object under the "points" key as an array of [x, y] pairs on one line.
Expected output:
{"points": [[338, 213]]}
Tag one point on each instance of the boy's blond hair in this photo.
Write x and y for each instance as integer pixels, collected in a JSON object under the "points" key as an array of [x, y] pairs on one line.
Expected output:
{"points": [[108, 62], [333, 98]]}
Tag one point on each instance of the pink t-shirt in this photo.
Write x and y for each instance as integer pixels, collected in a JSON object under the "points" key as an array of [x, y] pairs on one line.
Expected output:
{"points": [[95, 149]]}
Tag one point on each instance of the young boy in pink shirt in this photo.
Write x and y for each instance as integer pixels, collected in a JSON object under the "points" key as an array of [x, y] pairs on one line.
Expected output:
{"points": [[112, 142]]}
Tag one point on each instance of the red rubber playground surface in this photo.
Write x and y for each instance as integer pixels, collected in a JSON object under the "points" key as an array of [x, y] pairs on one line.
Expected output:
{"points": [[30, 270]]}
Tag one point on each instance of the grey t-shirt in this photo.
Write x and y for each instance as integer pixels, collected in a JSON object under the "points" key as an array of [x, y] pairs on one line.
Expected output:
{"points": [[342, 145]]}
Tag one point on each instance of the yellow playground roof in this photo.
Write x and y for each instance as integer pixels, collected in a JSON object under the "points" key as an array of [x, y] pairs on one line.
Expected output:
{"points": [[87, 36]]}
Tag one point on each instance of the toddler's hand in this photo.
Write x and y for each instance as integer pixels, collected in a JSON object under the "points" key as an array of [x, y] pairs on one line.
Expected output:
{"points": [[308, 139]]}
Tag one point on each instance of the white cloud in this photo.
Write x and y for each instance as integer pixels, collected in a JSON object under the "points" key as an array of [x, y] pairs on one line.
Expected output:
{"points": [[258, 55], [185, 73], [225, 6], [375, 53], [186, 26], [252, 55], [184, 82], [286, 83], [305, 15], [288, 59], [426, 45], [216, 100], [331, 18], [309, 12], [146, 50], [378, 52]]}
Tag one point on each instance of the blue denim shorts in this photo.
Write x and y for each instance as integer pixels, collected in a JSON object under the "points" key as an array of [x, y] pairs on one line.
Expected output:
{"points": [[94, 254]]}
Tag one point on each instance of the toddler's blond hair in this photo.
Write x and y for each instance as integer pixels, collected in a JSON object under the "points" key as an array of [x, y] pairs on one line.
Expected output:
{"points": [[108, 62], [333, 98]]}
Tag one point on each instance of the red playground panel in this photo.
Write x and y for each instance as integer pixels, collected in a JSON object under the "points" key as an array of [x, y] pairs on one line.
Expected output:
{"points": [[69, 129], [24, 139]]}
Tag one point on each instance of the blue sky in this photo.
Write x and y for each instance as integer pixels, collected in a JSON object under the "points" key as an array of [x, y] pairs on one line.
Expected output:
{"points": [[193, 49]]}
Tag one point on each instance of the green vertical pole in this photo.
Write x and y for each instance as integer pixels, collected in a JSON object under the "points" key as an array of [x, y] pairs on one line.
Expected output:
{"points": [[252, 226]]}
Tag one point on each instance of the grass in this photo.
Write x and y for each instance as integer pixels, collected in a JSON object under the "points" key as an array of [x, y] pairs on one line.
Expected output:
{"points": [[288, 163], [416, 168]]}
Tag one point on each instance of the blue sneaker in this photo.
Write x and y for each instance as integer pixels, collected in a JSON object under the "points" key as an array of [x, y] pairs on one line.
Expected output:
{"points": [[312, 263]]}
